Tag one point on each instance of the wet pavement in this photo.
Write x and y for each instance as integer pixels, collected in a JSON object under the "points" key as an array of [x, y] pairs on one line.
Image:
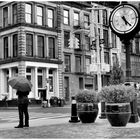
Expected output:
{"points": [[54, 123]]}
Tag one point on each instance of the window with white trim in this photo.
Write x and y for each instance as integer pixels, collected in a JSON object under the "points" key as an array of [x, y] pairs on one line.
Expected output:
{"points": [[66, 17], [28, 13], [39, 15], [5, 17], [50, 18], [76, 19], [14, 13]]}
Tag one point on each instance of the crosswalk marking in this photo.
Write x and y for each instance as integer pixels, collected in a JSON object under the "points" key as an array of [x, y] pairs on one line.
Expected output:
{"points": [[13, 116]]}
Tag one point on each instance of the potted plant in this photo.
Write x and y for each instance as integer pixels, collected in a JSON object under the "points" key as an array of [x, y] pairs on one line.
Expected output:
{"points": [[117, 103], [87, 105]]}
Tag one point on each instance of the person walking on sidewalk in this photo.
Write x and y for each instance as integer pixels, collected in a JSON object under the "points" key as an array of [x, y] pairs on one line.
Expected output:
{"points": [[23, 102]]}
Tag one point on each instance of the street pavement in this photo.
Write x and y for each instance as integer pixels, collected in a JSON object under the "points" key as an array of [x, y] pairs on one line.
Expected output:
{"points": [[54, 123]]}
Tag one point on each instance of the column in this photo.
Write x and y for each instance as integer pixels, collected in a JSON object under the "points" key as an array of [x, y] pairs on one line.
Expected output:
{"points": [[47, 83], [56, 82], [36, 84], [10, 88], [22, 69], [21, 41]]}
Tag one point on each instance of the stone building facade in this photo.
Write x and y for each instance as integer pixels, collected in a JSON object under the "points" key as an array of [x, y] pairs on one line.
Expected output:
{"points": [[29, 46], [58, 45]]}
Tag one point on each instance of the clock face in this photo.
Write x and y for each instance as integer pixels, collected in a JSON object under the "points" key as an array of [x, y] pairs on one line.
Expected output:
{"points": [[124, 19]]}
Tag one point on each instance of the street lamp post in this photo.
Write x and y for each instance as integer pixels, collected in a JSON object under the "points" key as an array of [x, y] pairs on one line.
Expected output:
{"points": [[95, 38], [94, 31]]}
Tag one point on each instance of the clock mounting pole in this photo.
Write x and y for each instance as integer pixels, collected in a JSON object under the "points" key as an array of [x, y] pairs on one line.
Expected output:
{"points": [[126, 27]]}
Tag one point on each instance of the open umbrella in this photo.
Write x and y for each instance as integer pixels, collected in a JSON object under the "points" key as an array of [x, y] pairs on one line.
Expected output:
{"points": [[20, 83]]}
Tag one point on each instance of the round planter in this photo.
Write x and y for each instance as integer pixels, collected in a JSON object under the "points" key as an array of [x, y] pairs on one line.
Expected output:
{"points": [[87, 112], [118, 114]]}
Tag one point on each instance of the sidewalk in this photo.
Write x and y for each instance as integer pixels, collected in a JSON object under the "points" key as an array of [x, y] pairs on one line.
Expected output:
{"points": [[61, 128]]}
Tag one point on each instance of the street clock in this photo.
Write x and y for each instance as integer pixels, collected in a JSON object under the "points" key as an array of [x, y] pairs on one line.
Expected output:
{"points": [[125, 21]]}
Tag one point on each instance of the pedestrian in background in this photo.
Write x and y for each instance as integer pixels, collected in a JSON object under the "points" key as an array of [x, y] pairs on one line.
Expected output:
{"points": [[23, 102]]}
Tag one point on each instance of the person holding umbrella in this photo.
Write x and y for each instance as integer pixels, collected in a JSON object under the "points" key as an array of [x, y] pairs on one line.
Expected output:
{"points": [[23, 87], [23, 108]]}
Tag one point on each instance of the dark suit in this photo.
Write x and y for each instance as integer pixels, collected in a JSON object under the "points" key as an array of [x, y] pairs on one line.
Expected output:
{"points": [[23, 102]]}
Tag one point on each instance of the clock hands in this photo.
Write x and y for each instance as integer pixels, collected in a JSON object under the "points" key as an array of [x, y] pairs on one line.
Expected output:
{"points": [[126, 22]]}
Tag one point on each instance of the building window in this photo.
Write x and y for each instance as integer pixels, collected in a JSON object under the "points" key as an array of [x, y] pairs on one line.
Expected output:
{"points": [[114, 41], [106, 57], [105, 34], [105, 17], [66, 17], [15, 45], [50, 18], [86, 21], [114, 58], [5, 17], [6, 47], [66, 39], [29, 44], [87, 43], [137, 45], [39, 15], [88, 62], [76, 19], [40, 46], [28, 13], [14, 13], [51, 47], [67, 63], [78, 63]]}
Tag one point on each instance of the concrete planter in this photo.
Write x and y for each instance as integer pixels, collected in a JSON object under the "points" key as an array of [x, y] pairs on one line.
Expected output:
{"points": [[118, 114], [87, 112]]}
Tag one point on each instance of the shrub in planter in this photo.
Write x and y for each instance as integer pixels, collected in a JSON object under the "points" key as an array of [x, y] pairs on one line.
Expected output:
{"points": [[87, 108], [117, 98]]}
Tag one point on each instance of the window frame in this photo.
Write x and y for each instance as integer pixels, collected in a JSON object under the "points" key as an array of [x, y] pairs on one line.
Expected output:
{"points": [[87, 65], [76, 21], [39, 16], [87, 43], [50, 18], [106, 38], [42, 55], [78, 64], [86, 22], [114, 40], [30, 46], [5, 17], [105, 21], [66, 39], [6, 48], [67, 65], [66, 17], [114, 58], [15, 13], [51, 49], [28, 13], [15, 45], [106, 58]]}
